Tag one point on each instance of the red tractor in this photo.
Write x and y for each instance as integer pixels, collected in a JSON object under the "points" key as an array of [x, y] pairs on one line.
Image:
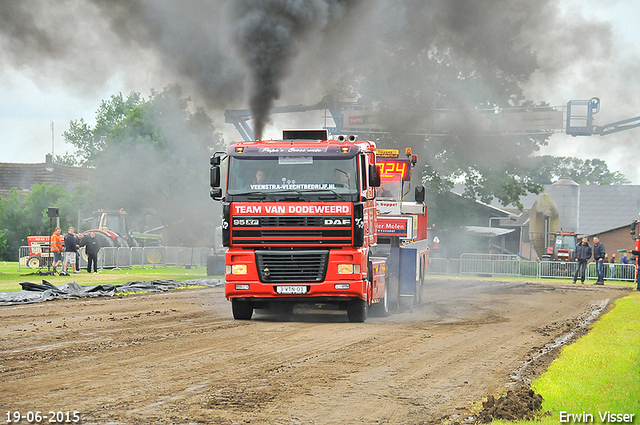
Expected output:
{"points": [[39, 255], [563, 248]]}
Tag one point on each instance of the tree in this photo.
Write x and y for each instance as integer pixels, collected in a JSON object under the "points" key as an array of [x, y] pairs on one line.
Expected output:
{"points": [[550, 169], [90, 141], [442, 56], [4, 246], [151, 158], [22, 217]]}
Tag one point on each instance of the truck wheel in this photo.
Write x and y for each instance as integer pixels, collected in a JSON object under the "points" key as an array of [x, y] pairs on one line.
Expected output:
{"points": [[357, 310], [242, 310], [33, 262], [381, 308]]}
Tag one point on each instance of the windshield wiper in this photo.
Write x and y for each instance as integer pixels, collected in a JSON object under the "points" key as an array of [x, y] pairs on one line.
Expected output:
{"points": [[334, 194], [291, 195], [255, 195]]}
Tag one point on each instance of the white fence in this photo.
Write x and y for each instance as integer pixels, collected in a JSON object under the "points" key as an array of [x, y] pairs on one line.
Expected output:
{"points": [[511, 265], [110, 258], [467, 265]]}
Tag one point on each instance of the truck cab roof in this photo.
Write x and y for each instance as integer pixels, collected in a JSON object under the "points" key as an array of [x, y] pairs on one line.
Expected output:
{"points": [[331, 148]]}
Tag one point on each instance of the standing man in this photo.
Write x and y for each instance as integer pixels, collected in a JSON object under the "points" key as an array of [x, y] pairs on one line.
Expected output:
{"points": [[612, 266], [91, 248], [582, 253], [625, 261], [70, 250], [598, 254], [56, 248]]}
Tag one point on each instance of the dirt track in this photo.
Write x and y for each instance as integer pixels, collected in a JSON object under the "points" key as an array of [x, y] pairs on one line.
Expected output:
{"points": [[179, 357]]}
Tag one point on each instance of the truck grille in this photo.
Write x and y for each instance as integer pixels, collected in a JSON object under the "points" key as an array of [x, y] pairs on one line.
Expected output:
{"points": [[291, 221], [292, 266], [293, 231]]}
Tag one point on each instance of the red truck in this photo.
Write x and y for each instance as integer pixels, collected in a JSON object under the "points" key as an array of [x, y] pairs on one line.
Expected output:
{"points": [[300, 223]]}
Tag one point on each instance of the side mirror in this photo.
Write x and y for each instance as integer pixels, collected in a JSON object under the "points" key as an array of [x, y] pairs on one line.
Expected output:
{"points": [[216, 194], [374, 175], [214, 160], [214, 176], [420, 194], [633, 227]]}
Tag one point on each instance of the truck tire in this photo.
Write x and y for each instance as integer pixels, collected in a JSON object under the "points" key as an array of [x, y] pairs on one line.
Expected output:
{"points": [[381, 308], [33, 262], [242, 310], [357, 310]]}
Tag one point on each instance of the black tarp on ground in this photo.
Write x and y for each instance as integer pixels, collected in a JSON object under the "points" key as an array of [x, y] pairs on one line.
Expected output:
{"points": [[36, 292]]}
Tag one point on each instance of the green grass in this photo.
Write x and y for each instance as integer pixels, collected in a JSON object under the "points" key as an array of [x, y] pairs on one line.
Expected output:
{"points": [[598, 373], [10, 277]]}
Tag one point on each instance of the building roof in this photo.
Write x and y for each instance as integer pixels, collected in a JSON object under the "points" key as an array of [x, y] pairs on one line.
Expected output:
{"points": [[606, 207], [600, 207], [490, 232], [24, 176]]}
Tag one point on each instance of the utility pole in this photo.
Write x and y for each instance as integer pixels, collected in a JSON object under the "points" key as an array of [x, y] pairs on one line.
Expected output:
{"points": [[53, 140]]}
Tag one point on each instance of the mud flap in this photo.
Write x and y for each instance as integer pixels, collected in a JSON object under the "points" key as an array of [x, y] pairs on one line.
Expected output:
{"points": [[393, 278], [407, 276]]}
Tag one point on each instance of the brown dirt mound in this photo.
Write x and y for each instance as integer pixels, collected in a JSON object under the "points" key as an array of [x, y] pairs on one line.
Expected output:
{"points": [[519, 404]]}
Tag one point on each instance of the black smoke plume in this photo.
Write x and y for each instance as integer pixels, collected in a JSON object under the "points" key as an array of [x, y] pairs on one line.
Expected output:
{"points": [[269, 34]]}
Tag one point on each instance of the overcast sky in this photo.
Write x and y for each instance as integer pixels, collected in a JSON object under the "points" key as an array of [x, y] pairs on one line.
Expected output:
{"points": [[31, 99], [615, 79]]}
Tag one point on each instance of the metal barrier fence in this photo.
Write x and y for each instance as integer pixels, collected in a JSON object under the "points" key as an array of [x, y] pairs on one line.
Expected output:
{"points": [[110, 258], [468, 264], [512, 265], [489, 264]]}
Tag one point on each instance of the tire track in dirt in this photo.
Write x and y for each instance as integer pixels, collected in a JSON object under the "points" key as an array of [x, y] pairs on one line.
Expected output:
{"points": [[180, 357]]}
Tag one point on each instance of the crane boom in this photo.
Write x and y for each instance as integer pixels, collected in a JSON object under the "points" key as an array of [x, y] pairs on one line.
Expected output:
{"points": [[349, 117], [580, 119]]}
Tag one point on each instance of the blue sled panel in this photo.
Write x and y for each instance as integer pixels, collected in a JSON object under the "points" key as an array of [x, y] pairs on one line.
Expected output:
{"points": [[408, 269]]}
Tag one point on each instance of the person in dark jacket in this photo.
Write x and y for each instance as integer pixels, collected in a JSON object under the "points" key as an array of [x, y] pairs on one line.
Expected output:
{"points": [[598, 254], [91, 248], [70, 251], [582, 254]]}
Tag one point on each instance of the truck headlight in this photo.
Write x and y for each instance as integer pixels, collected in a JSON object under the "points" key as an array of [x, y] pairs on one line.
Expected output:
{"points": [[236, 269], [348, 268]]}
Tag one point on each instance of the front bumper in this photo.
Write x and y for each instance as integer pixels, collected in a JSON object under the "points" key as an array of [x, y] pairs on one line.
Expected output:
{"points": [[327, 291]]}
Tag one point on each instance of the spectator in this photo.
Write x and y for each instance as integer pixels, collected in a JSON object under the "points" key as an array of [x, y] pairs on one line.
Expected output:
{"points": [[70, 250], [582, 253], [625, 269], [56, 249], [91, 248], [599, 252], [612, 266]]}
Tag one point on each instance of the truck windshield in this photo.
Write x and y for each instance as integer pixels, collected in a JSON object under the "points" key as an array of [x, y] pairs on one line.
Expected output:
{"points": [[273, 175], [390, 187], [566, 242]]}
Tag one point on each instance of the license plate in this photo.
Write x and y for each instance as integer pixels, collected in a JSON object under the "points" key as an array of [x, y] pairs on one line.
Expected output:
{"points": [[291, 289]]}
